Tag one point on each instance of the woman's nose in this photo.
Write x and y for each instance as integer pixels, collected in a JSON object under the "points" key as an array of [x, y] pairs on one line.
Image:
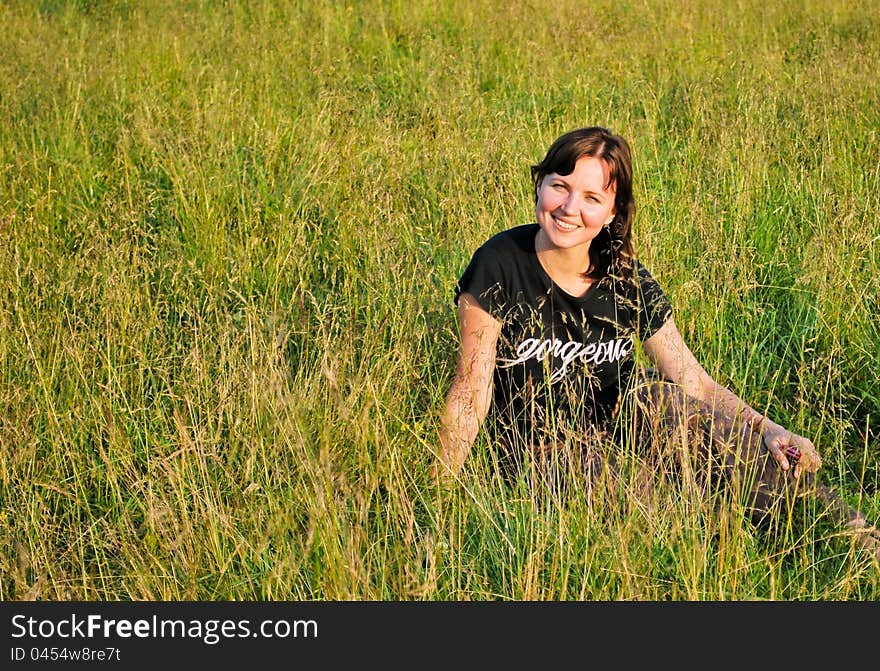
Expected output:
{"points": [[571, 205]]}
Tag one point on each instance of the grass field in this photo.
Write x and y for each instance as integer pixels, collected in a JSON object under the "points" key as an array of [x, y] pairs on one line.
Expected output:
{"points": [[229, 234]]}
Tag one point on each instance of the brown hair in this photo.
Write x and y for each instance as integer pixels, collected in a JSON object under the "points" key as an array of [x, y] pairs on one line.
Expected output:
{"points": [[611, 251]]}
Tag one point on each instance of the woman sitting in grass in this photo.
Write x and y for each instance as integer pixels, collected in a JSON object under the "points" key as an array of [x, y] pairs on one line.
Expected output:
{"points": [[549, 315]]}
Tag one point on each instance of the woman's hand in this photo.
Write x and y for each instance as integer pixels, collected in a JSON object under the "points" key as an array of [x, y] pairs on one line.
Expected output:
{"points": [[789, 448]]}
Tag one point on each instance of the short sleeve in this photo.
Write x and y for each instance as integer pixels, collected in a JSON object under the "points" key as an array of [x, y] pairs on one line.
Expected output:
{"points": [[484, 279], [654, 307]]}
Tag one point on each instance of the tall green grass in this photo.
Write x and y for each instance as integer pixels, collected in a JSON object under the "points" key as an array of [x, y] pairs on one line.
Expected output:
{"points": [[229, 233]]}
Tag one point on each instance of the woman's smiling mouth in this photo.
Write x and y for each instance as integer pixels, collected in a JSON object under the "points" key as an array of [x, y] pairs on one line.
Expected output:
{"points": [[563, 226]]}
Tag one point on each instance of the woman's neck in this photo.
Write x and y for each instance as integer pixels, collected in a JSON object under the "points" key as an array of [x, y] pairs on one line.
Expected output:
{"points": [[566, 267]]}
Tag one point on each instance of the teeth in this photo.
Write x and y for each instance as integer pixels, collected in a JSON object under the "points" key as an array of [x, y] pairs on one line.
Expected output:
{"points": [[563, 225]]}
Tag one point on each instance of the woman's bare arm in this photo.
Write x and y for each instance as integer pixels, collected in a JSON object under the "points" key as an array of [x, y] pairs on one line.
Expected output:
{"points": [[676, 362], [467, 402]]}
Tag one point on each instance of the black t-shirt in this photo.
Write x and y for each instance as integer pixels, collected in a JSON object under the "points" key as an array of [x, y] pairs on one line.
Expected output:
{"points": [[561, 361]]}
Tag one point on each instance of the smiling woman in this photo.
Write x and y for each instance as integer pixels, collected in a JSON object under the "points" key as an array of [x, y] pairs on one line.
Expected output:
{"points": [[583, 187], [549, 315], [573, 209]]}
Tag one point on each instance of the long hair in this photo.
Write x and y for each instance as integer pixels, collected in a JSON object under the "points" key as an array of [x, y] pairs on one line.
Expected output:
{"points": [[611, 252]]}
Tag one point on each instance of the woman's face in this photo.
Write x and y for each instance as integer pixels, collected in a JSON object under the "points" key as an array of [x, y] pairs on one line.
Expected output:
{"points": [[572, 209]]}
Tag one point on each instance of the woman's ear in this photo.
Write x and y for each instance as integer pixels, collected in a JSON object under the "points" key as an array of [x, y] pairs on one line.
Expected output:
{"points": [[613, 215]]}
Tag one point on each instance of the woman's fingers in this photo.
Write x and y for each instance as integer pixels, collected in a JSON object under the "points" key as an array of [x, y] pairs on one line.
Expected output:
{"points": [[774, 445], [809, 456]]}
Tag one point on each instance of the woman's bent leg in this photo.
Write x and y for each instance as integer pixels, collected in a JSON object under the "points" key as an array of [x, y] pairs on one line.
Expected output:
{"points": [[707, 448]]}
